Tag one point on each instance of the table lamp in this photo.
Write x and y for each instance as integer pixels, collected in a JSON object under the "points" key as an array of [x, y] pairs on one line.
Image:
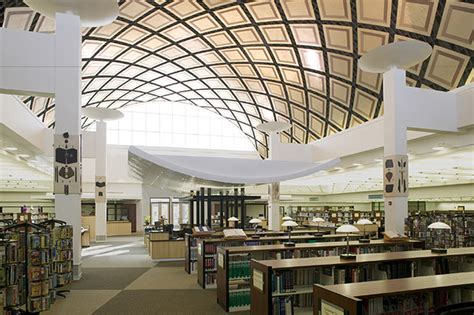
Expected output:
{"points": [[364, 222], [289, 224], [232, 221], [348, 229], [440, 229], [255, 222], [318, 222]]}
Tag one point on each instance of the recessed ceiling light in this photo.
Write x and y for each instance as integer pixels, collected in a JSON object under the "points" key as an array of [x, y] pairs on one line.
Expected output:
{"points": [[378, 160], [11, 148], [439, 148], [356, 164], [23, 155]]}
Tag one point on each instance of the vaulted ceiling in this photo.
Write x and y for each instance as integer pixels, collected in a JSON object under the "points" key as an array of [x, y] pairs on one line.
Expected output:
{"points": [[255, 61]]}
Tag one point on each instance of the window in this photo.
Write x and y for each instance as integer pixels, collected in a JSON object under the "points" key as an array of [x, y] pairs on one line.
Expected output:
{"points": [[115, 212], [174, 124]]}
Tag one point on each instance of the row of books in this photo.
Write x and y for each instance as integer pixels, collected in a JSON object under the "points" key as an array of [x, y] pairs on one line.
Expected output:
{"points": [[239, 269], [210, 278], [209, 263], [210, 248], [239, 299], [283, 306], [416, 303]]}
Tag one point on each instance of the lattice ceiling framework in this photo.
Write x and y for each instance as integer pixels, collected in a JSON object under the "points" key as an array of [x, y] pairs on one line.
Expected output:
{"points": [[258, 61]]}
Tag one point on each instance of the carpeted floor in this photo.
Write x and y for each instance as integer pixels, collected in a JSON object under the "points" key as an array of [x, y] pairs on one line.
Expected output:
{"points": [[119, 278]]}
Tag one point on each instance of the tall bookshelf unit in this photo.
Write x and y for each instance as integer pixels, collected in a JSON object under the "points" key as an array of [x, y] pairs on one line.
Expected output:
{"points": [[233, 270], [279, 285]]}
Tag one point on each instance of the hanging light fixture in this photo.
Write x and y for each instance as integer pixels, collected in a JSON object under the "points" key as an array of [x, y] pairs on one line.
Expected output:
{"points": [[289, 224], [348, 229], [439, 229], [255, 222], [287, 218], [364, 222]]}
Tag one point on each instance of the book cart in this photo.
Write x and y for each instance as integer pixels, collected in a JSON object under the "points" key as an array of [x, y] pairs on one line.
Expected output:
{"points": [[281, 286], [421, 295], [233, 269]]}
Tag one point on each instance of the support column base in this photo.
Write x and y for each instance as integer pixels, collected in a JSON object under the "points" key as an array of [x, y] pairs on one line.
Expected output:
{"points": [[101, 238], [77, 272]]}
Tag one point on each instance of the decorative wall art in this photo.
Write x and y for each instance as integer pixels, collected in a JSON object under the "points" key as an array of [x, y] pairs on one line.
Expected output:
{"points": [[67, 164], [100, 189], [395, 176]]}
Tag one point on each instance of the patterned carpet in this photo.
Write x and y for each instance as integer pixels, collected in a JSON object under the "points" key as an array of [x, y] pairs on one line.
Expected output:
{"points": [[119, 278]]}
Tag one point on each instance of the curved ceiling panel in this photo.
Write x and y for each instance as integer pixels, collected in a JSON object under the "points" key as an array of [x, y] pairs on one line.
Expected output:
{"points": [[218, 171], [257, 61]]}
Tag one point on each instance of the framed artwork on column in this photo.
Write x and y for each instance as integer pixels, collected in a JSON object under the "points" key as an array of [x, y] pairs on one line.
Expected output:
{"points": [[100, 189], [395, 176], [67, 164]]}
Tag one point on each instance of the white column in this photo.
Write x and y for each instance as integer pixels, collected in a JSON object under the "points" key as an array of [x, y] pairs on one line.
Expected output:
{"points": [[100, 177], [274, 207], [274, 188], [395, 150], [68, 116]]}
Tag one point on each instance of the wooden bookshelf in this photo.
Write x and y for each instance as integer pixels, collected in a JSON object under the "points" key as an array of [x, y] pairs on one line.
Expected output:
{"points": [[349, 298], [207, 253], [262, 293], [242, 255], [190, 264]]}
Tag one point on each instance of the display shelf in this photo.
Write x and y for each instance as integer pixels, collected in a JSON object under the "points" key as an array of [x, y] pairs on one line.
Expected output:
{"points": [[419, 295], [241, 256], [272, 278]]}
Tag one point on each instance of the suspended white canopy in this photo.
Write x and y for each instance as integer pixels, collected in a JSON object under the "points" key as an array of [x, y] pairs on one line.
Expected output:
{"points": [[223, 170]]}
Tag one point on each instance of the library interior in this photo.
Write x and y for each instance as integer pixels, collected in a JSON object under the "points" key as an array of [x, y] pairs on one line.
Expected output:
{"points": [[263, 157]]}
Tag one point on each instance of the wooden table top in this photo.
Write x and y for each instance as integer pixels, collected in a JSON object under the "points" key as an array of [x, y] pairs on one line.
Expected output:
{"points": [[379, 288], [279, 264], [316, 246]]}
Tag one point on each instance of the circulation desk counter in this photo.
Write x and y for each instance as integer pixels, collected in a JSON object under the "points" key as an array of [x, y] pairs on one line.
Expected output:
{"points": [[160, 246], [119, 228]]}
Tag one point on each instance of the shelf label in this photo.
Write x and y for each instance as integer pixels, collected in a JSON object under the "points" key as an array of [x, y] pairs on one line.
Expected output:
{"points": [[258, 279], [330, 309], [200, 249], [220, 260]]}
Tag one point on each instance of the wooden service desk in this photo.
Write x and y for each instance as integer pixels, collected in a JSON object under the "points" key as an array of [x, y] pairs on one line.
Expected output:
{"points": [[166, 249], [119, 228], [350, 298]]}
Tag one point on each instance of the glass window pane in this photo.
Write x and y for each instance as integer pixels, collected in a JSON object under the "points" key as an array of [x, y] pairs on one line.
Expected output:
{"points": [[153, 122], [139, 121], [175, 124]]}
